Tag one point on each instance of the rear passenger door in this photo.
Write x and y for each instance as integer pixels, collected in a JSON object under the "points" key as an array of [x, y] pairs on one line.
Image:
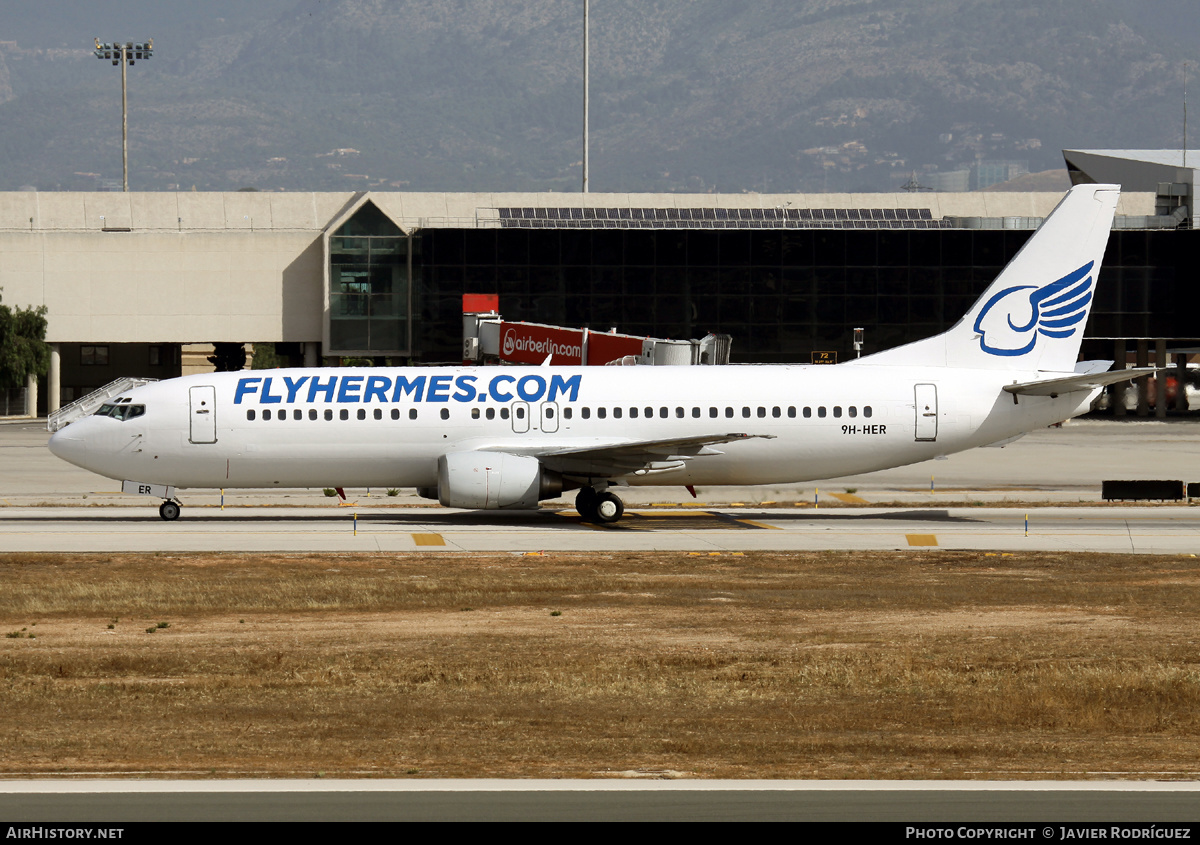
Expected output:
{"points": [[927, 411]]}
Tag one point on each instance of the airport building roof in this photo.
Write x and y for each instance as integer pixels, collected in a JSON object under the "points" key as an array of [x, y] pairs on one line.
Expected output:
{"points": [[315, 211]]}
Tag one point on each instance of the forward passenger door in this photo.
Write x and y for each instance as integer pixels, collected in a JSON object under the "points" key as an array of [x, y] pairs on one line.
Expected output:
{"points": [[203, 407]]}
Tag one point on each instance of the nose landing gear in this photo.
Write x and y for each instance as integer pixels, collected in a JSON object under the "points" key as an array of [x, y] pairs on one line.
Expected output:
{"points": [[600, 507], [169, 510]]}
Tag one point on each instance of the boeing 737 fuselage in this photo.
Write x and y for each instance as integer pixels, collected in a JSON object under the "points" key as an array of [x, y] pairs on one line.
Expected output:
{"points": [[509, 437]]}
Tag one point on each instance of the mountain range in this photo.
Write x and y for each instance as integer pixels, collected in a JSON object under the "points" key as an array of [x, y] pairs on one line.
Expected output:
{"points": [[686, 95]]}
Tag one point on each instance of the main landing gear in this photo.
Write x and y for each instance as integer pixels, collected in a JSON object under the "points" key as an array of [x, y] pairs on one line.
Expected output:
{"points": [[169, 510], [599, 507]]}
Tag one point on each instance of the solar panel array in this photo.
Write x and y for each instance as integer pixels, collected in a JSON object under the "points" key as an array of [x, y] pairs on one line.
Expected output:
{"points": [[719, 218]]}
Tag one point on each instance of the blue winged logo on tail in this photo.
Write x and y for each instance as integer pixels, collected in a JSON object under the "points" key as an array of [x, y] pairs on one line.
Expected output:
{"points": [[1012, 320]]}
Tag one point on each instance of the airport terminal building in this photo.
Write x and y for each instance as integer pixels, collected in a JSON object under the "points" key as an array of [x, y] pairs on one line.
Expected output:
{"points": [[129, 280]]}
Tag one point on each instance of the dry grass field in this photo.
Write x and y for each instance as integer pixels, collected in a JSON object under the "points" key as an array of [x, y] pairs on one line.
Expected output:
{"points": [[836, 665]]}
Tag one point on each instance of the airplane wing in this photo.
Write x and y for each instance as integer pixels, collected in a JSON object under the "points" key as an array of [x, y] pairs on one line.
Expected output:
{"points": [[1079, 382], [637, 457]]}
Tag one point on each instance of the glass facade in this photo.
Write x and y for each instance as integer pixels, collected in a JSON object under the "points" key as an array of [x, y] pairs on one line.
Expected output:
{"points": [[369, 286], [782, 295]]}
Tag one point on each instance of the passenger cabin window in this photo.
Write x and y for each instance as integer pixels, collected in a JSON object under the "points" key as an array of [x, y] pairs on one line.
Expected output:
{"points": [[395, 413], [267, 414], [821, 412], [312, 413], [866, 410], [328, 414], [249, 414], [412, 413], [445, 413]]}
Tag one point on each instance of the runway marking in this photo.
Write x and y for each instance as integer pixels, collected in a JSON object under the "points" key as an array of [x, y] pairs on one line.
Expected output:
{"points": [[922, 539], [759, 524], [667, 521], [429, 539]]}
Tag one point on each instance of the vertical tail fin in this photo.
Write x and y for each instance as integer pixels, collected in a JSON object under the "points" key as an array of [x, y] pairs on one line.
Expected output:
{"points": [[1033, 315]]}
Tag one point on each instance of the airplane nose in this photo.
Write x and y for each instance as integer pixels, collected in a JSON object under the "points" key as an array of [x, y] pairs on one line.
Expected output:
{"points": [[69, 446]]}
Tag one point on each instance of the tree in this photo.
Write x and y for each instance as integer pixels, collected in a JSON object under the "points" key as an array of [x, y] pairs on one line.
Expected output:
{"points": [[23, 348], [228, 357], [265, 357]]}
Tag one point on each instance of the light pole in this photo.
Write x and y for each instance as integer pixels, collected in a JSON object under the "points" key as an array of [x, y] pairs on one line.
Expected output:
{"points": [[124, 54], [585, 96]]}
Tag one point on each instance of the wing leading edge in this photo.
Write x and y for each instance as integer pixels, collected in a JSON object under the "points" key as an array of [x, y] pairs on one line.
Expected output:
{"points": [[637, 457]]}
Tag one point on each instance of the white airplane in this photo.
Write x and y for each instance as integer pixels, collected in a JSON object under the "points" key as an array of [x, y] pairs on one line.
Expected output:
{"points": [[509, 437]]}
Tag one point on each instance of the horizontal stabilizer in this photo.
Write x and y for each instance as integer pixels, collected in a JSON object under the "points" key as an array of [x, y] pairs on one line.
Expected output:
{"points": [[1077, 383]]}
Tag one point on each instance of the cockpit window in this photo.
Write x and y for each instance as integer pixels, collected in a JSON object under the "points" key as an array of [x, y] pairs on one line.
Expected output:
{"points": [[120, 412]]}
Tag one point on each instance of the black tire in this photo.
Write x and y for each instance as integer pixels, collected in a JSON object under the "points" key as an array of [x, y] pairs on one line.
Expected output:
{"points": [[609, 508], [169, 511], [585, 503]]}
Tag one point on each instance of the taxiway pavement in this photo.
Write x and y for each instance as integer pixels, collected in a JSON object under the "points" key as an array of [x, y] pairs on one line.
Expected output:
{"points": [[979, 803], [1173, 530]]}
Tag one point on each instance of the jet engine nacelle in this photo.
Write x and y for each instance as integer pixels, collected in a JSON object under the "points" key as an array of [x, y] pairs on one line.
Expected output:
{"points": [[490, 480]]}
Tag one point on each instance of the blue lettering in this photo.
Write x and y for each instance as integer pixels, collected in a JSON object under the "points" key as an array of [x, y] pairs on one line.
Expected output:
{"points": [[466, 389], [531, 395], [494, 388], [315, 387], [265, 397], [439, 389], [558, 384], [293, 387], [245, 385], [415, 388], [376, 388], [349, 383]]}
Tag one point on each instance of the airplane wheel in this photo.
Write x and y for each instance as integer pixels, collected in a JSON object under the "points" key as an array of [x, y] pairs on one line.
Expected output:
{"points": [[585, 503], [609, 508], [168, 511]]}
